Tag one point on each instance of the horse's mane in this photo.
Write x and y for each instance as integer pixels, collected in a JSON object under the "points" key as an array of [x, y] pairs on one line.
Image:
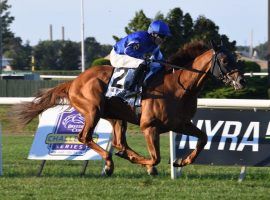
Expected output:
{"points": [[187, 53]]}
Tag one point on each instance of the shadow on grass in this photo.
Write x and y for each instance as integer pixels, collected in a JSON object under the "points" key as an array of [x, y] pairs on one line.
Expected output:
{"points": [[71, 169], [136, 175]]}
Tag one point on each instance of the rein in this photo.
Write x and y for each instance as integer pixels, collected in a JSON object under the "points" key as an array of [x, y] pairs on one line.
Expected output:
{"points": [[178, 67], [214, 64], [213, 59]]}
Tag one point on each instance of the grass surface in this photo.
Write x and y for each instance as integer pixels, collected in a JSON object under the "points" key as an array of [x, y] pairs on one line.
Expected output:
{"points": [[62, 180]]}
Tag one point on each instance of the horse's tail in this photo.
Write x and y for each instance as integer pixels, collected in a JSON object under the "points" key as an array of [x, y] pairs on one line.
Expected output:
{"points": [[46, 98]]}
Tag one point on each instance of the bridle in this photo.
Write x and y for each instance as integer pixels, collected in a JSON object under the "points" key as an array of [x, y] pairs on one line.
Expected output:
{"points": [[218, 71]]}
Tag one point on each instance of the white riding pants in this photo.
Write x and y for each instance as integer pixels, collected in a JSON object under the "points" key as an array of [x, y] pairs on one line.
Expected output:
{"points": [[125, 61]]}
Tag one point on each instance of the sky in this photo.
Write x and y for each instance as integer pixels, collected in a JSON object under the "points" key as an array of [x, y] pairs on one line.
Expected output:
{"points": [[238, 19]]}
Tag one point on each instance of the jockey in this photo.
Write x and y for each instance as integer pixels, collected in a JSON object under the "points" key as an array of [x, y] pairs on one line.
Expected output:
{"points": [[136, 49]]}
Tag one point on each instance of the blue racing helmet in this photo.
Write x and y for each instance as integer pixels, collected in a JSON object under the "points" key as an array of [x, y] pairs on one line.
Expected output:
{"points": [[159, 27]]}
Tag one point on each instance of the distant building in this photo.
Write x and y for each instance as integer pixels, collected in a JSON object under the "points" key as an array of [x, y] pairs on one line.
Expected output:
{"points": [[244, 54], [6, 64], [262, 63]]}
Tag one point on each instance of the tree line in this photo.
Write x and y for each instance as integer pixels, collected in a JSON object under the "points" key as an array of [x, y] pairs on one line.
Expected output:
{"points": [[65, 55]]}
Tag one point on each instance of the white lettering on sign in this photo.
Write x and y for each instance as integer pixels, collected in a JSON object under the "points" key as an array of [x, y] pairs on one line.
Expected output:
{"points": [[252, 131], [268, 130], [210, 133], [229, 134]]}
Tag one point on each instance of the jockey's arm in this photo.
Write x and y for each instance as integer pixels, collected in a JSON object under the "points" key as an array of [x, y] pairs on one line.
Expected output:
{"points": [[132, 49], [157, 55]]}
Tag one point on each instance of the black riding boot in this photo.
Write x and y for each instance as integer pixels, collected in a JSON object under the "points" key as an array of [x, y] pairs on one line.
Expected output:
{"points": [[136, 80]]}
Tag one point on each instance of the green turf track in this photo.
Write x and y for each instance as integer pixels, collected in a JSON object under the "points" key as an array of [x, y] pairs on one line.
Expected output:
{"points": [[61, 179]]}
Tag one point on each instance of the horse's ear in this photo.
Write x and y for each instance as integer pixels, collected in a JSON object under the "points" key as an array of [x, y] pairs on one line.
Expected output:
{"points": [[213, 45]]}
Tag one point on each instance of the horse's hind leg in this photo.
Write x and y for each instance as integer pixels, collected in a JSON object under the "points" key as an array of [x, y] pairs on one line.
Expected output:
{"points": [[191, 129], [91, 108], [120, 143], [92, 116]]}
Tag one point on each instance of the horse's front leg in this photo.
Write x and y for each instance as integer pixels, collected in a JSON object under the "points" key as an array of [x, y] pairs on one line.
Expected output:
{"points": [[191, 129], [152, 141], [120, 143]]}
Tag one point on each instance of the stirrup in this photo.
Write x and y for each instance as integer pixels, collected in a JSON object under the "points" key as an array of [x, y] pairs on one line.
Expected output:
{"points": [[121, 94], [131, 93]]}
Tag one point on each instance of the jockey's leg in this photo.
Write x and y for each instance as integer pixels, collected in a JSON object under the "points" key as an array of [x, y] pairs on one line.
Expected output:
{"points": [[136, 80], [154, 69]]}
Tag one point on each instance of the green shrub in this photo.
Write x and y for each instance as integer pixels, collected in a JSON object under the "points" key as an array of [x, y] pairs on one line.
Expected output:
{"points": [[100, 61], [249, 66], [256, 86], [256, 89]]}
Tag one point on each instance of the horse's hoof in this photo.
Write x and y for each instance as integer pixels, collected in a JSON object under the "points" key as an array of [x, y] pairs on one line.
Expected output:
{"points": [[152, 171], [108, 170], [120, 154], [177, 162]]}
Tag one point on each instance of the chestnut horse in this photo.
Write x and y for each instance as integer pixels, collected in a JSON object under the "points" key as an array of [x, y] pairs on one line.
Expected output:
{"points": [[168, 103]]}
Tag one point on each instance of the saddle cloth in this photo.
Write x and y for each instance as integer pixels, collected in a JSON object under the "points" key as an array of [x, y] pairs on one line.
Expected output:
{"points": [[119, 81]]}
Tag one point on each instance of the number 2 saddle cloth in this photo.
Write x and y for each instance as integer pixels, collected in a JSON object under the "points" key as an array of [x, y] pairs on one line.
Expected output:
{"points": [[118, 84]]}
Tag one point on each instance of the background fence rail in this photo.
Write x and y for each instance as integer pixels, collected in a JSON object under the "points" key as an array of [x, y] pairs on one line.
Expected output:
{"points": [[24, 88], [28, 88], [202, 103]]}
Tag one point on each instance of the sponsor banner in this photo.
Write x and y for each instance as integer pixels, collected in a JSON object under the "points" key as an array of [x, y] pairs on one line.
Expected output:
{"points": [[56, 137], [234, 137]]}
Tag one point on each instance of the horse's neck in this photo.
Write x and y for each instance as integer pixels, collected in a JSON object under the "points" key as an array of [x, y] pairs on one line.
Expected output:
{"points": [[191, 82], [201, 63]]}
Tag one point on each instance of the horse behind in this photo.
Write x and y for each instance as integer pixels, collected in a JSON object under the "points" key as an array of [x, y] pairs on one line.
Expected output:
{"points": [[168, 103]]}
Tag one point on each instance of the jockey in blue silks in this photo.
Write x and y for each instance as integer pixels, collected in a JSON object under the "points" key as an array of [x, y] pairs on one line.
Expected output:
{"points": [[133, 50]]}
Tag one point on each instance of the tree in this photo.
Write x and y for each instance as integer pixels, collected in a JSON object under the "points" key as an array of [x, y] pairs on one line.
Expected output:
{"points": [[21, 54], [205, 29], [159, 16], [175, 21], [69, 55], [262, 50], [139, 23], [182, 27], [187, 27], [94, 50], [57, 55], [6, 21], [12, 46], [46, 55]]}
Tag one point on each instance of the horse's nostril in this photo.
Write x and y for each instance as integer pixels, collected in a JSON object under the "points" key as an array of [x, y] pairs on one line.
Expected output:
{"points": [[242, 82]]}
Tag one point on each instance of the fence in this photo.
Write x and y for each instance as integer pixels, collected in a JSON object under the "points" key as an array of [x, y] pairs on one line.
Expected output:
{"points": [[1, 162], [24, 88], [241, 123], [27, 88]]}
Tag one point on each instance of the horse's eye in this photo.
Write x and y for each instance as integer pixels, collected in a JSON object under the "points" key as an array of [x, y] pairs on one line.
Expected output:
{"points": [[225, 61]]}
